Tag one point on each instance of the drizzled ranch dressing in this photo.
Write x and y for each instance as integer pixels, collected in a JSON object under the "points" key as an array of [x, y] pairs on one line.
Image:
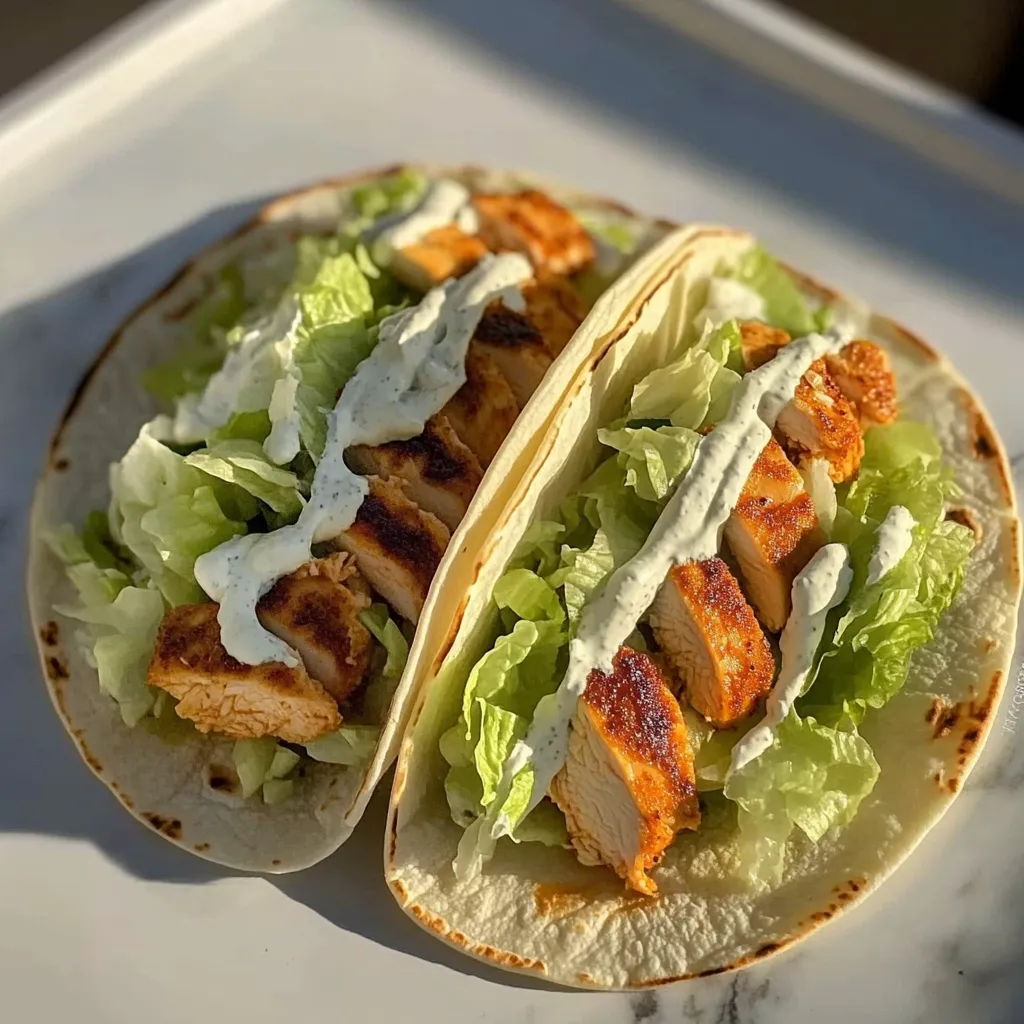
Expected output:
{"points": [[822, 585], [416, 367], [445, 202], [688, 529], [893, 541]]}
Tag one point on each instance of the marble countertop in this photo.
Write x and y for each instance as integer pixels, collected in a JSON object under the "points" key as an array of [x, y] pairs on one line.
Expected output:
{"points": [[105, 922]]}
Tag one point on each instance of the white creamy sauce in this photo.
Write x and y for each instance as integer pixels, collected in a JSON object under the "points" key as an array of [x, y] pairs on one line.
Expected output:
{"points": [[445, 202], [822, 585], [416, 367], [689, 529], [282, 444], [250, 368], [729, 300], [892, 542]]}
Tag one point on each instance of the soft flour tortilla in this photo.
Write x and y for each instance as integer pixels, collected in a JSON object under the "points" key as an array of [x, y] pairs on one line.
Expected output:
{"points": [[538, 910], [188, 791]]}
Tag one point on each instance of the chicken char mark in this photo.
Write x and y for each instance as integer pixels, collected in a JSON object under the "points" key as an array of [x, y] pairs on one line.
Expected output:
{"points": [[318, 616], [438, 472], [222, 695], [484, 409], [397, 546], [627, 785]]}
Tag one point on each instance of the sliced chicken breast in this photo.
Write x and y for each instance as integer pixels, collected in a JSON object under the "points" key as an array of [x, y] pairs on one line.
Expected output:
{"points": [[760, 342], [396, 545], [483, 410], [517, 347], [315, 610], [863, 373], [773, 532], [220, 694], [706, 629], [439, 472], [554, 308], [532, 223], [442, 253], [820, 423], [627, 785]]}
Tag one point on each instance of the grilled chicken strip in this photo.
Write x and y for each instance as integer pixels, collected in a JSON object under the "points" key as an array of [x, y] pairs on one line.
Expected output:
{"points": [[822, 420], [773, 531], [439, 472], [442, 253], [704, 625], [554, 308], [523, 345], [396, 545], [863, 373], [759, 343], [220, 694], [483, 410], [517, 347], [532, 223], [820, 423], [315, 610], [627, 785]]}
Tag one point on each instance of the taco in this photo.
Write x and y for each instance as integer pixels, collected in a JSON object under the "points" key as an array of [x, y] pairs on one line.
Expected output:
{"points": [[283, 450], [735, 645]]}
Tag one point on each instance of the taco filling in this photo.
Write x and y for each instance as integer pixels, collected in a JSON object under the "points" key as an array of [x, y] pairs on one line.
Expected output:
{"points": [[271, 538], [712, 614]]}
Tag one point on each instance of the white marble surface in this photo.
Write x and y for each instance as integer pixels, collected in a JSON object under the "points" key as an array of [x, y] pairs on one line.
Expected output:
{"points": [[100, 921]]}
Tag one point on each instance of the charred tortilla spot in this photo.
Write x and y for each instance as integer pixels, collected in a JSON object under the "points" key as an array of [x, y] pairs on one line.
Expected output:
{"points": [[965, 517], [954, 784], [170, 827], [503, 326], [945, 718], [201, 847], [933, 710], [275, 863], [984, 444], [397, 886], [221, 778], [50, 633], [56, 669], [61, 464]]}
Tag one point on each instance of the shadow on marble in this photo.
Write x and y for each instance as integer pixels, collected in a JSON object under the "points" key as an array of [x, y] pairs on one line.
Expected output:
{"points": [[46, 346], [658, 83]]}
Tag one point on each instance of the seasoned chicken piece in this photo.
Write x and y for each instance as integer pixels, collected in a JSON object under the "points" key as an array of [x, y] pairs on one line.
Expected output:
{"points": [[773, 531], [517, 347], [760, 342], [705, 627], [483, 410], [554, 308], [220, 694], [820, 423], [627, 785], [439, 472], [396, 545], [440, 254], [863, 373], [533, 223], [315, 610]]}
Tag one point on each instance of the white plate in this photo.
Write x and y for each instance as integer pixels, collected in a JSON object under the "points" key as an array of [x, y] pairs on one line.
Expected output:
{"points": [[115, 171]]}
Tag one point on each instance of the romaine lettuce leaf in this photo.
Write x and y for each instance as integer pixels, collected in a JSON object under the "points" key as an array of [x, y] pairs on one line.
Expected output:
{"points": [[245, 464], [350, 745], [812, 777], [785, 305]]}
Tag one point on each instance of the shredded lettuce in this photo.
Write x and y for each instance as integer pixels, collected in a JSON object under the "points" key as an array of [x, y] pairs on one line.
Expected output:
{"points": [[785, 304], [196, 361], [350, 745], [380, 690], [244, 463], [263, 764], [813, 778]]}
